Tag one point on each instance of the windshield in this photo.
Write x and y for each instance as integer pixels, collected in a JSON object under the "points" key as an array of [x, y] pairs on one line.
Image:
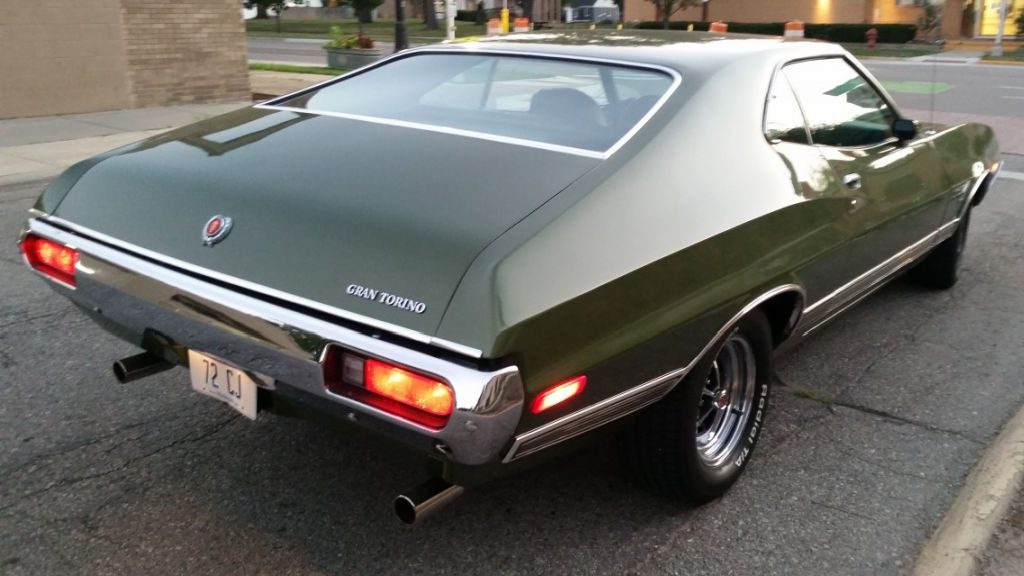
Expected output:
{"points": [[571, 103]]}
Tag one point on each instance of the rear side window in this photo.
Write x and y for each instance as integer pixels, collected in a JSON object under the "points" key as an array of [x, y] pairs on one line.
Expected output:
{"points": [[841, 107], [570, 103], [783, 121]]}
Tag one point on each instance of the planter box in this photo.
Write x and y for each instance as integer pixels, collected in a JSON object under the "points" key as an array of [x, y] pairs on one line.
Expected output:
{"points": [[351, 59]]}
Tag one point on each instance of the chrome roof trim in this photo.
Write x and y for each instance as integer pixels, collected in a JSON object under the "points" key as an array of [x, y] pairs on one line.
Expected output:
{"points": [[272, 292], [274, 104], [633, 399]]}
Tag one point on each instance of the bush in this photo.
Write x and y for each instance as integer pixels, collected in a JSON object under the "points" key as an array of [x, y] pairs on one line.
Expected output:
{"points": [[847, 33], [465, 15]]}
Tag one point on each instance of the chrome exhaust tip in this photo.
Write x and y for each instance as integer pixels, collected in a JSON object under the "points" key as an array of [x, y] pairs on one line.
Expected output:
{"points": [[425, 499], [139, 366]]}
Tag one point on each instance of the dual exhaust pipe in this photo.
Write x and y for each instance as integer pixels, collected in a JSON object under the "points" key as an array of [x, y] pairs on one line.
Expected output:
{"points": [[425, 499], [139, 366], [419, 503]]}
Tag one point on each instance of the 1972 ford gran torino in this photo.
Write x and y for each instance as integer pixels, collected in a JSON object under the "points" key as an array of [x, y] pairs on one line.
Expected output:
{"points": [[485, 249]]}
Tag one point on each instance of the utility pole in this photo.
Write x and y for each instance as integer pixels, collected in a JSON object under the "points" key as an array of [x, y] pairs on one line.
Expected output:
{"points": [[997, 46], [401, 38]]}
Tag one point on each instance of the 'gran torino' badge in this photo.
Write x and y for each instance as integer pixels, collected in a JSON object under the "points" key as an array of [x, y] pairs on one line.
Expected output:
{"points": [[216, 229], [386, 298]]}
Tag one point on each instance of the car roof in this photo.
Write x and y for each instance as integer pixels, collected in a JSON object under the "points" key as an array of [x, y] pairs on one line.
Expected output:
{"points": [[680, 50]]}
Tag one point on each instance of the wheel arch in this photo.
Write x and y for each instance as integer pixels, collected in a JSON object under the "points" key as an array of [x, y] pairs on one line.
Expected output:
{"points": [[783, 309]]}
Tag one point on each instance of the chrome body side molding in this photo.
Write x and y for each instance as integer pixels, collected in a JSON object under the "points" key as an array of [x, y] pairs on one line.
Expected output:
{"points": [[827, 308], [142, 301], [629, 401]]}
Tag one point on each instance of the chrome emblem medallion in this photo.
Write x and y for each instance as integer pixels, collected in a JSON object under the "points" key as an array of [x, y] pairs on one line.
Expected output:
{"points": [[216, 229]]}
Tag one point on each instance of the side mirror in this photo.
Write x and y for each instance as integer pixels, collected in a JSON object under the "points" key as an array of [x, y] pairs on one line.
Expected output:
{"points": [[904, 129]]}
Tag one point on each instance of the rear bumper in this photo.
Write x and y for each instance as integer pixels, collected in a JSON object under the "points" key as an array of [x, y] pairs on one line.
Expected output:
{"points": [[169, 311]]}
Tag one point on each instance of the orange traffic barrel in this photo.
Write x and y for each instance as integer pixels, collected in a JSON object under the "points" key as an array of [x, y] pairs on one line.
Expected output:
{"points": [[521, 25], [493, 27], [794, 29], [718, 27]]}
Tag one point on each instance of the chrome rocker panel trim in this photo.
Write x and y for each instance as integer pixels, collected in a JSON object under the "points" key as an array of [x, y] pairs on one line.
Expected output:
{"points": [[634, 399], [821, 312], [138, 299]]}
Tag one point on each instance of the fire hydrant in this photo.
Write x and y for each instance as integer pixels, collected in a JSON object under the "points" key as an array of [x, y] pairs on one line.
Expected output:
{"points": [[872, 37]]}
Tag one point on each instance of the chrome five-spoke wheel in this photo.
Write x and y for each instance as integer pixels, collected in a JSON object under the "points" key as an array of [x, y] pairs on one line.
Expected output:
{"points": [[694, 443], [726, 400]]}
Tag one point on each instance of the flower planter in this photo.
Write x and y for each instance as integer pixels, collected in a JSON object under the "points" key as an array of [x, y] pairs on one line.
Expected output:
{"points": [[352, 58]]}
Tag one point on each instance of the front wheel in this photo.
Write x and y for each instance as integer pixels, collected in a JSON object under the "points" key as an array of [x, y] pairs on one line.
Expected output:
{"points": [[694, 444], [941, 268]]}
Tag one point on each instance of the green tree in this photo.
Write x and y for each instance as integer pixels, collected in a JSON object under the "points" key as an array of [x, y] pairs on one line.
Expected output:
{"points": [[364, 9], [263, 7], [931, 18], [666, 8], [429, 15]]}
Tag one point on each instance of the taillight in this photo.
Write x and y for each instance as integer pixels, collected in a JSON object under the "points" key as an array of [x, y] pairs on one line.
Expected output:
{"points": [[414, 396], [50, 258], [557, 394]]}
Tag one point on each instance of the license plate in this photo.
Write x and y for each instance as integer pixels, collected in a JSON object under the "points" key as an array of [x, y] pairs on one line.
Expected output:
{"points": [[227, 383]]}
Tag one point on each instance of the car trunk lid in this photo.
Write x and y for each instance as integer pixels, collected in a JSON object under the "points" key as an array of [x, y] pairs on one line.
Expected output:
{"points": [[377, 220]]}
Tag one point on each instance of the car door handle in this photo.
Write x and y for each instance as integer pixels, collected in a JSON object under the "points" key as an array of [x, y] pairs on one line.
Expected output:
{"points": [[852, 181]]}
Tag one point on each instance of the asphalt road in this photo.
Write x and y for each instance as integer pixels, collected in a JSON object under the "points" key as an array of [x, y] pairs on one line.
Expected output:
{"points": [[876, 422], [879, 418]]}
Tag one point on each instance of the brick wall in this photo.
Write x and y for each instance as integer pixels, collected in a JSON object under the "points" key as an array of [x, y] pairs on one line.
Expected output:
{"points": [[61, 57], [185, 51]]}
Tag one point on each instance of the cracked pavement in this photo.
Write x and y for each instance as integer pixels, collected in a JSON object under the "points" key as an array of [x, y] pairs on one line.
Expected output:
{"points": [[876, 421]]}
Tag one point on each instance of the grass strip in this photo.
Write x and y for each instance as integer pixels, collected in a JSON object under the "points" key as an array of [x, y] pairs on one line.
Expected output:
{"points": [[269, 67]]}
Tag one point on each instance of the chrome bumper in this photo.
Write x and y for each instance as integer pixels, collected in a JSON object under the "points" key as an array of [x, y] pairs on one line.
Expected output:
{"points": [[141, 300]]}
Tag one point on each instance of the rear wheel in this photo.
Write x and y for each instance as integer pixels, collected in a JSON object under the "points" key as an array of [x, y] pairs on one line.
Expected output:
{"points": [[941, 268], [695, 443]]}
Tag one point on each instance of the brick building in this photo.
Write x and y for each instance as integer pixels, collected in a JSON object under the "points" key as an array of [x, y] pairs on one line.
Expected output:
{"points": [[90, 55], [960, 18]]}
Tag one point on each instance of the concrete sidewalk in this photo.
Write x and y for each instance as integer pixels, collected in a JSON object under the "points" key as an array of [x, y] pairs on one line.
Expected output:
{"points": [[38, 148]]}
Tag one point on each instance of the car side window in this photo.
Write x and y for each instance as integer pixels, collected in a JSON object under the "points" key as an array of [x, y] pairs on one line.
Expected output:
{"points": [[783, 120], [842, 108]]}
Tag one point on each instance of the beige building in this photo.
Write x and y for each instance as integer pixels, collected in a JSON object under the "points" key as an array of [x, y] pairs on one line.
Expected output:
{"points": [[960, 18], [61, 57]]}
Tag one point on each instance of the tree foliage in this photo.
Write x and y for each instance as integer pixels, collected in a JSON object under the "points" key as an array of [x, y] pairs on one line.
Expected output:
{"points": [[429, 15], [364, 9], [666, 8], [263, 6], [930, 20]]}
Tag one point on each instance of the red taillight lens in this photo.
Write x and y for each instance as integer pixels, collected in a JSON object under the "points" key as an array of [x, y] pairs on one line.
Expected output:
{"points": [[409, 388], [400, 391], [50, 258], [555, 395]]}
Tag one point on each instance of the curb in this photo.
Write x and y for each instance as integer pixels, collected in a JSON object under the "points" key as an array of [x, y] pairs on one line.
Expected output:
{"points": [[962, 536]]}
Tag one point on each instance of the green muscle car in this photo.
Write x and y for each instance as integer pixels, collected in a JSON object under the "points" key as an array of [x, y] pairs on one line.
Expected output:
{"points": [[485, 249]]}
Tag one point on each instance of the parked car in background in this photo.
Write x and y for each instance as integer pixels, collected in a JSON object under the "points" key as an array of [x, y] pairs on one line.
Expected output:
{"points": [[484, 250]]}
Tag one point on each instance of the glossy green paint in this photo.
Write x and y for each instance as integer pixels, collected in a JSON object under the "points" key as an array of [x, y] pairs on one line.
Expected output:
{"points": [[321, 203], [623, 268]]}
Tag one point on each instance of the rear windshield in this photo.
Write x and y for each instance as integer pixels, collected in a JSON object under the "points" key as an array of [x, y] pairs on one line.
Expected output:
{"points": [[578, 104]]}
